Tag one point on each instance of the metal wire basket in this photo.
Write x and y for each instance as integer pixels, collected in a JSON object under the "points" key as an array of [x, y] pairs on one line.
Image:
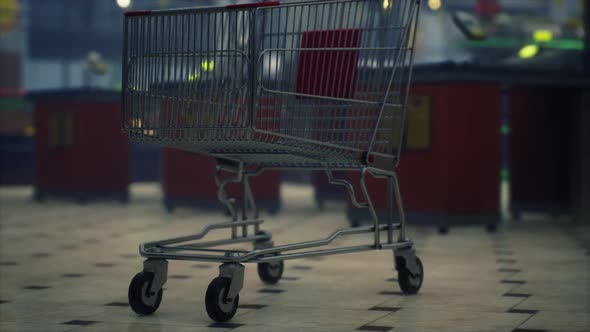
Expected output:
{"points": [[318, 84], [310, 83]]}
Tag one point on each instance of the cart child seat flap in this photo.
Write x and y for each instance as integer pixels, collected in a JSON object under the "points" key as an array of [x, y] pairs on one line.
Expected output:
{"points": [[329, 73]]}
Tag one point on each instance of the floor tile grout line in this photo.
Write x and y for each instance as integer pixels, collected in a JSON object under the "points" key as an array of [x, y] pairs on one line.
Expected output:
{"points": [[513, 289], [389, 313], [100, 313], [85, 317], [380, 304], [526, 320], [251, 311], [523, 299], [511, 274]]}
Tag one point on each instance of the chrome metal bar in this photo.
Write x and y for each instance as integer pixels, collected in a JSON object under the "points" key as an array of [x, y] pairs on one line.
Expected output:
{"points": [[184, 53], [216, 243], [349, 188], [335, 251], [253, 43], [185, 257], [327, 98], [309, 244], [377, 234], [246, 202], [333, 49], [398, 245], [400, 208], [201, 234], [314, 253], [249, 196], [407, 93], [390, 209], [124, 74], [189, 248], [279, 257], [387, 90], [222, 195]]}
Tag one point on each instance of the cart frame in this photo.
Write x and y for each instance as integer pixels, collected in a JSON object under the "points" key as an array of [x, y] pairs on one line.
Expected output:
{"points": [[235, 165]]}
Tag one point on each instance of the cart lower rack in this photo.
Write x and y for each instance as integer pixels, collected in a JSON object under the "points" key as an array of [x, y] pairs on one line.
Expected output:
{"points": [[315, 85]]}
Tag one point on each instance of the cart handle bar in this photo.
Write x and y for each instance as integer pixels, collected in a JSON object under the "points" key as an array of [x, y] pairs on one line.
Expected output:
{"points": [[236, 6], [138, 13], [253, 5]]}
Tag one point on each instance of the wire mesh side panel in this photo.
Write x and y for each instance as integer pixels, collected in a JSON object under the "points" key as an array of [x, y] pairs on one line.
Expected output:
{"points": [[186, 76], [324, 70]]}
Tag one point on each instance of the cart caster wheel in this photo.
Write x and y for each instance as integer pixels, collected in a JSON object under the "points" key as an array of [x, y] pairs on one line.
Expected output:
{"points": [[491, 228], [408, 283], [443, 230], [140, 300], [270, 273], [218, 308]]}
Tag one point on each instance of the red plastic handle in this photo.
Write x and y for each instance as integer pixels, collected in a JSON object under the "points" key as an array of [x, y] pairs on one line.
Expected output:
{"points": [[253, 5], [138, 13]]}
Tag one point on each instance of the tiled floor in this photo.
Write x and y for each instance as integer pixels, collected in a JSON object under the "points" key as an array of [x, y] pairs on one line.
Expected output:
{"points": [[66, 267]]}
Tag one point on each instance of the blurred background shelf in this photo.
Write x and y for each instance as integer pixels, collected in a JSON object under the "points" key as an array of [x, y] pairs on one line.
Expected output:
{"points": [[80, 151], [188, 181], [509, 77]]}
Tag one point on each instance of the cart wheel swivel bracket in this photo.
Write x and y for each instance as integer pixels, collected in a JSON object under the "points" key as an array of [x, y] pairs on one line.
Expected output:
{"points": [[235, 273], [407, 257], [159, 269]]}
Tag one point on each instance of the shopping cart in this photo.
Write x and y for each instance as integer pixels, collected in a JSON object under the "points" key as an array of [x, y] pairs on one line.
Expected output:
{"points": [[315, 85]]}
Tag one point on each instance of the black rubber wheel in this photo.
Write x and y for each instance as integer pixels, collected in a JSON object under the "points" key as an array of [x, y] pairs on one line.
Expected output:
{"points": [[408, 283], [218, 308], [140, 300], [270, 273]]}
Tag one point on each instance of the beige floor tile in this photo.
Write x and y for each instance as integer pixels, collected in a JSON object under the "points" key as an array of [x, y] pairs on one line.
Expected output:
{"points": [[559, 321], [87, 255]]}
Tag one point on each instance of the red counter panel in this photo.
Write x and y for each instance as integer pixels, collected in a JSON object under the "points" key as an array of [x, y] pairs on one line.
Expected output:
{"points": [[459, 174], [79, 148], [188, 179]]}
